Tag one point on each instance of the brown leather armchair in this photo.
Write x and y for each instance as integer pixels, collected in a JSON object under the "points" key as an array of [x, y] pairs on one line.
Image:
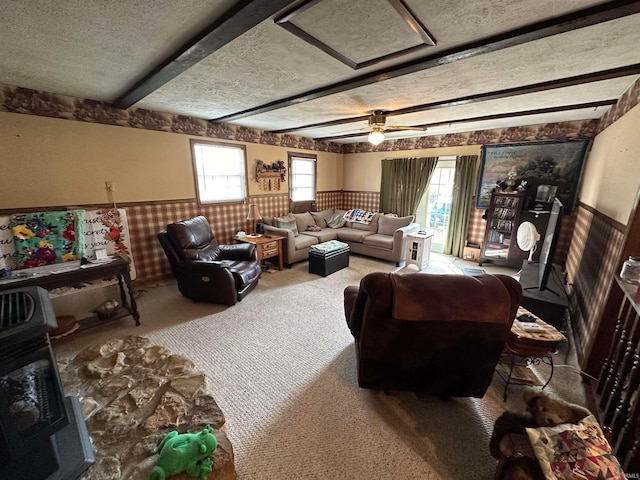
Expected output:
{"points": [[205, 270], [439, 334]]}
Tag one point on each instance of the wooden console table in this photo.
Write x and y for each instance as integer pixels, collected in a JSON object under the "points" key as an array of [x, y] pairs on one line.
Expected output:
{"points": [[68, 275]]}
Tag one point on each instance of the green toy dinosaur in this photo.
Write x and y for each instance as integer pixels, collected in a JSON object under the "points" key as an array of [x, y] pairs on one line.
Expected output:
{"points": [[185, 452]]}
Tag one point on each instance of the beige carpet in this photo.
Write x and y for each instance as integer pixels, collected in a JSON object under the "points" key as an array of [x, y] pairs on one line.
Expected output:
{"points": [[281, 365]]}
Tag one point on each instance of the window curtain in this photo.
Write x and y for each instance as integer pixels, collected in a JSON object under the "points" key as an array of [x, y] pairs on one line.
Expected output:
{"points": [[403, 183], [464, 186]]}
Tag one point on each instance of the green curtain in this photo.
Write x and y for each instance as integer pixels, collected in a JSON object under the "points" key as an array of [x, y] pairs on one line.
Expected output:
{"points": [[464, 186], [403, 183]]}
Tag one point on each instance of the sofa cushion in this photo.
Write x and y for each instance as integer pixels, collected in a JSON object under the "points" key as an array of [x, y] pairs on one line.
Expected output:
{"points": [[324, 235], [387, 224], [320, 216], [335, 221], [288, 223], [378, 240], [268, 221], [353, 234], [304, 241], [303, 220], [372, 226]]}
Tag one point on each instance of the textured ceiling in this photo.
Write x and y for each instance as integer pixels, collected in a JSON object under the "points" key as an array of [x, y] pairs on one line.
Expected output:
{"points": [[100, 50]]}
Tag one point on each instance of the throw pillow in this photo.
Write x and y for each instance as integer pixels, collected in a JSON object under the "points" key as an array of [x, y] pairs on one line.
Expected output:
{"points": [[571, 451], [287, 223], [319, 217], [342, 212], [387, 225], [303, 220], [335, 221]]}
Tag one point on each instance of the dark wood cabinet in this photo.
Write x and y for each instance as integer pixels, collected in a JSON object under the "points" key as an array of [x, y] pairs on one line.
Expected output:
{"points": [[503, 218]]}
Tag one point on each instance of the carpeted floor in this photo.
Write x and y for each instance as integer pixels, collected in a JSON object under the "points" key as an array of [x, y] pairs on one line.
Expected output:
{"points": [[281, 365]]}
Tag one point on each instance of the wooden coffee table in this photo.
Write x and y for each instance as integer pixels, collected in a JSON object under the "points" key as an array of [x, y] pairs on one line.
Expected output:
{"points": [[526, 348]]}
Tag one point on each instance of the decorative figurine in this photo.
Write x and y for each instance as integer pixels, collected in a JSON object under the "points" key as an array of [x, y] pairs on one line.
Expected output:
{"points": [[511, 180], [522, 187], [282, 170], [185, 452]]}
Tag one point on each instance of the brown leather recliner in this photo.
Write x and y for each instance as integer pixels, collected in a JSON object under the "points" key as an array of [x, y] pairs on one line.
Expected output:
{"points": [[439, 334], [205, 270]]}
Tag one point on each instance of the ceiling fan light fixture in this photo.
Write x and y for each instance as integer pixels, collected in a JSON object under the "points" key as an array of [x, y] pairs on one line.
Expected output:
{"points": [[376, 137]]}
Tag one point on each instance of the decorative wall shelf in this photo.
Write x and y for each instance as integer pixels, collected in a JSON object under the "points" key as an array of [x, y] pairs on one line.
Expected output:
{"points": [[269, 180]]}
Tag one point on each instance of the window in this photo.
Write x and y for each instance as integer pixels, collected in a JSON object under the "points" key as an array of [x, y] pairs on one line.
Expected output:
{"points": [[219, 169], [302, 177], [435, 207]]}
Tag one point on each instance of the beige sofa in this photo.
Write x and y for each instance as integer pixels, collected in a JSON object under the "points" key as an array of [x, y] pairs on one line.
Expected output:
{"points": [[385, 237]]}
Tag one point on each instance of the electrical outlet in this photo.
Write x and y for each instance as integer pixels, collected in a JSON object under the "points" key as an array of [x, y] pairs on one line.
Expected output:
{"points": [[110, 186]]}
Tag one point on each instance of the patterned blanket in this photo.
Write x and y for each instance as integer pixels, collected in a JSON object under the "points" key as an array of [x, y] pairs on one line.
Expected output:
{"points": [[47, 237], [357, 215], [92, 229]]}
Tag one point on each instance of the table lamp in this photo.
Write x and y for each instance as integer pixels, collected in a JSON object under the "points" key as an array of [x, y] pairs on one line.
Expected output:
{"points": [[254, 216]]}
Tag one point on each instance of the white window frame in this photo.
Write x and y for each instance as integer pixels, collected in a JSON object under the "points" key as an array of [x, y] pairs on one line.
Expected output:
{"points": [[211, 168], [294, 176]]}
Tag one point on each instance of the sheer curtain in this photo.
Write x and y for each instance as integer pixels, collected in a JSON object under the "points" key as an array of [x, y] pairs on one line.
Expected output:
{"points": [[403, 183], [464, 186]]}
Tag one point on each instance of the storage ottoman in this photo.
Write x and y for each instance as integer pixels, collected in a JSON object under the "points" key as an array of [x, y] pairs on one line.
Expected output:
{"points": [[328, 257]]}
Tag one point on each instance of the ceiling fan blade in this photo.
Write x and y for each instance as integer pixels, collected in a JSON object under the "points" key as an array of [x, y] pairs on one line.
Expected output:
{"points": [[392, 128]]}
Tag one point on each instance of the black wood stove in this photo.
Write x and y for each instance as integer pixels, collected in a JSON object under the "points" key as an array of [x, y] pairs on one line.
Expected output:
{"points": [[42, 434]]}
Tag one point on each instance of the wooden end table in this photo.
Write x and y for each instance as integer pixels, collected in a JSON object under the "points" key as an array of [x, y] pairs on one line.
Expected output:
{"points": [[267, 246], [528, 348]]}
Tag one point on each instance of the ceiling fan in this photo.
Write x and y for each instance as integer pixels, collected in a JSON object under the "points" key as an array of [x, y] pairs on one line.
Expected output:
{"points": [[378, 127]]}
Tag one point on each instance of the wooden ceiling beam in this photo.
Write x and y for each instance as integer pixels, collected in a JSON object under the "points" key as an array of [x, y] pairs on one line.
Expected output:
{"points": [[483, 97], [240, 18], [536, 31], [497, 116]]}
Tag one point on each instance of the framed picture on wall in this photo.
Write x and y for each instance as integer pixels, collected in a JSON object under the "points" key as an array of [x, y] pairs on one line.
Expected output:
{"points": [[535, 167]]}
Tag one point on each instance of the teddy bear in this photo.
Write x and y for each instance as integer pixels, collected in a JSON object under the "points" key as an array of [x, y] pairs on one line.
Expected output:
{"points": [[282, 170], [509, 435]]}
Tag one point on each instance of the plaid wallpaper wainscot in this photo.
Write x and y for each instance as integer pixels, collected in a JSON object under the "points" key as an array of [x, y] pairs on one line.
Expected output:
{"points": [[146, 220], [369, 201], [477, 225], [591, 265]]}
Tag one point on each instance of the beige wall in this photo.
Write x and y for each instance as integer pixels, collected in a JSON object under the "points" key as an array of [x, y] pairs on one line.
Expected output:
{"points": [[329, 169], [53, 162], [362, 171], [611, 176]]}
